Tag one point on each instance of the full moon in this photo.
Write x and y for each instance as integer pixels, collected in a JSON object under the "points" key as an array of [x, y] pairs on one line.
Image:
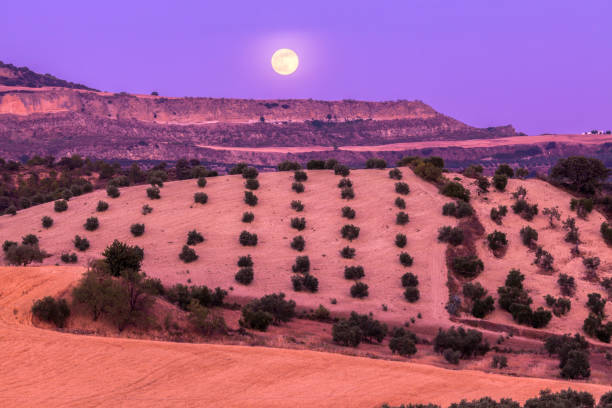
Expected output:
{"points": [[284, 61]]}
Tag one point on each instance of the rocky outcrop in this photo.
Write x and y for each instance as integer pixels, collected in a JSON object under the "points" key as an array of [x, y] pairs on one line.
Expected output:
{"points": [[11, 75]]}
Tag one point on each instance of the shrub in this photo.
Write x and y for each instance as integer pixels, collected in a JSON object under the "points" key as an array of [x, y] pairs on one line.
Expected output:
{"points": [[202, 182], [497, 214], [247, 239], [520, 193], [200, 198], [341, 170], [458, 210], [402, 218], [405, 259], [400, 240], [298, 223], [297, 205], [572, 230], [567, 284], [120, 256], [497, 240], [22, 255], [412, 294], [347, 252], [315, 165], [60, 205], [544, 259], [350, 232], [330, 164], [466, 343], [298, 243], [500, 181], [576, 366], [51, 310], [348, 212], [427, 170], [194, 238], [248, 217], [187, 254], [250, 198], [395, 174], [606, 232], [256, 319], [345, 182], [582, 206], [137, 229], [596, 304], [297, 187], [400, 203], [112, 191], [579, 173], [300, 175], [288, 166], [353, 272], [451, 235], [301, 265], [347, 193], [499, 361], [403, 345], [483, 307], [153, 193], [402, 188], [250, 173], [456, 190], [483, 184], [91, 224], [410, 280], [305, 282], [376, 163], [11, 210], [244, 275], [69, 258], [146, 209], [467, 266], [238, 168], [245, 261], [82, 244], [505, 170], [275, 304], [359, 290], [102, 206], [47, 221], [321, 314], [526, 211], [565, 345], [529, 236], [345, 334], [251, 184]]}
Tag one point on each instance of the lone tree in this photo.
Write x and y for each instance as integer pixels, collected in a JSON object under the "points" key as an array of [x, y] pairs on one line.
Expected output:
{"points": [[119, 256], [553, 214], [579, 173]]}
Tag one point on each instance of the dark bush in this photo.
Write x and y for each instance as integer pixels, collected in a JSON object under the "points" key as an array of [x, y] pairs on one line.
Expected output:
{"points": [[330, 164], [482, 307], [354, 272], [112, 191], [403, 345], [505, 170], [347, 252], [579, 173], [69, 258], [298, 223], [297, 205], [451, 235], [245, 261], [467, 343], [248, 217], [137, 229], [526, 211], [275, 304], [200, 198], [350, 232], [348, 212], [250, 173], [341, 170], [483, 184], [256, 319], [301, 265], [412, 294], [400, 240], [402, 188], [288, 166], [500, 181], [345, 334], [29, 239], [250, 198], [606, 232], [395, 174], [91, 224], [202, 182], [22, 255], [468, 266], [119, 257], [247, 239], [572, 365], [529, 236], [497, 240], [345, 182], [452, 356], [305, 282], [82, 244], [297, 187], [194, 238], [47, 222], [458, 210], [359, 290], [456, 190], [187, 254], [473, 171], [153, 193], [376, 163], [583, 206], [544, 259], [410, 280], [402, 218], [596, 304], [347, 193], [298, 243], [405, 259], [300, 176], [238, 168], [315, 165], [60, 205], [244, 275], [497, 214], [102, 206], [251, 184], [50, 310], [146, 209]]}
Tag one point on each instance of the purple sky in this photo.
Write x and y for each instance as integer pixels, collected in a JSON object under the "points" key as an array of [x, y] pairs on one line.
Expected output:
{"points": [[543, 66]]}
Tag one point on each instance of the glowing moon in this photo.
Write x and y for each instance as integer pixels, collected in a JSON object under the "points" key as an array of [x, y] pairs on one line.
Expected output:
{"points": [[284, 61]]}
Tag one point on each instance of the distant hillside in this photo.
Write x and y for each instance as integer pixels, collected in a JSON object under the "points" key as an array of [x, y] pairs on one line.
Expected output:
{"points": [[11, 75]]}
